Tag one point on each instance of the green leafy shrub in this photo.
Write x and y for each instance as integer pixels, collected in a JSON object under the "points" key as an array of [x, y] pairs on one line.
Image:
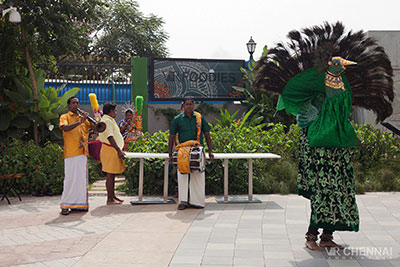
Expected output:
{"points": [[43, 166], [376, 160]]}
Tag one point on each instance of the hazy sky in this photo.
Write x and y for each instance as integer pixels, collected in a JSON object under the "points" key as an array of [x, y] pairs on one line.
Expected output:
{"points": [[221, 28]]}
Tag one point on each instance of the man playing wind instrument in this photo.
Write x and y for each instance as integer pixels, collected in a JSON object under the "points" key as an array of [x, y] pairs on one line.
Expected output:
{"points": [[75, 128]]}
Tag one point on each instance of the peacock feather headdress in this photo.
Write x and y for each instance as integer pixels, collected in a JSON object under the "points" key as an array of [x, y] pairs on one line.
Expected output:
{"points": [[371, 81]]}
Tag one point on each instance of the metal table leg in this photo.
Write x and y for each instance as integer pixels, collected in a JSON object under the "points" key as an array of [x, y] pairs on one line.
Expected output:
{"points": [[166, 162], [141, 172], [226, 182], [250, 180], [157, 200]]}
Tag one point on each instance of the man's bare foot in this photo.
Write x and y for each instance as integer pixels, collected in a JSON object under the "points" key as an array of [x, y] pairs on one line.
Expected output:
{"points": [[117, 199], [330, 244], [312, 245], [113, 202]]}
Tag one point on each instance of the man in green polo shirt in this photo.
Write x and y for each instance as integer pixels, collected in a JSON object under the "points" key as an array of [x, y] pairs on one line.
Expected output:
{"points": [[191, 186]]}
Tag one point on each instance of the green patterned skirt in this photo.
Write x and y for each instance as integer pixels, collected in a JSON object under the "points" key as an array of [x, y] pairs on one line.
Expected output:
{"points": [[326, 178]]}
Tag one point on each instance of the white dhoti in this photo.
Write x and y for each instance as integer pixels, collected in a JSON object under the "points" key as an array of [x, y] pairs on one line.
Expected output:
{"points": [[191, 188], [75, 192]]}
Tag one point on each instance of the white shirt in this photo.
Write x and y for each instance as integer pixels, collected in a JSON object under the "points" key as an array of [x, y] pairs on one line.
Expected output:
{"points": [[113, 130]]}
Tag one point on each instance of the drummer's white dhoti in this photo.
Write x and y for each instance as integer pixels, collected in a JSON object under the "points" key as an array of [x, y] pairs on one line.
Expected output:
{"points": [[75, 192], [191, 188]]}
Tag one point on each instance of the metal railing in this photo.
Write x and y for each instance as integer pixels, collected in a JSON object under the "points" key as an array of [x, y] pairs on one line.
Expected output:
{"points": [[108, 78]]}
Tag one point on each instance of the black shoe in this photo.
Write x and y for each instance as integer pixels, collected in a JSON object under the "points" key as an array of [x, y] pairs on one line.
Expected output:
{"points": [[64, 211], [182, 206]]}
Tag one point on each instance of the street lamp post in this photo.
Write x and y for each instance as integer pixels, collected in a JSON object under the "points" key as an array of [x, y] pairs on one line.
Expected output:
{"points": [[15, 18], [251, 47]]}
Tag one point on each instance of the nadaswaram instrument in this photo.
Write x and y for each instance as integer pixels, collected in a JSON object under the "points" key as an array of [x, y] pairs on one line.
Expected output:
{"points": [[99, 126]]}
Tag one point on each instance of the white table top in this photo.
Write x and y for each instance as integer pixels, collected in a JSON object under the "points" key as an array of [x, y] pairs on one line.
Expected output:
{"points": [[216, 155]]}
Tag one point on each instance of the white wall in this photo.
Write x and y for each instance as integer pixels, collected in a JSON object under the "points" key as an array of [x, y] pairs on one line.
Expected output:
{"points": [[390, 41]]}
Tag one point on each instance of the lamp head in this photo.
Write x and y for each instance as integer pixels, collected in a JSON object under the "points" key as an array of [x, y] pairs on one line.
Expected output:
{"points": [[251, 45], [14, 16]]}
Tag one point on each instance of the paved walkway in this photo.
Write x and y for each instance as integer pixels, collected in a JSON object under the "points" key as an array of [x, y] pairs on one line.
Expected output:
{"points": [[271, 233]]}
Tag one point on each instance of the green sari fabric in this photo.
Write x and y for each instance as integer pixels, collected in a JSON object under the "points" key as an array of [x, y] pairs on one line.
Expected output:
{"points": [[326, 178], [332, 127]]}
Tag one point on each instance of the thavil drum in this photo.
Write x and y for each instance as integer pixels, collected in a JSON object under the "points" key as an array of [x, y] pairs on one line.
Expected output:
{"points": [[197, 158]]}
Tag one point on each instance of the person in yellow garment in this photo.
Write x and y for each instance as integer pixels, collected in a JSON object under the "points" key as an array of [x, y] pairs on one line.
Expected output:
{"points": [[111, 155], [75, 128], [190, 126]]}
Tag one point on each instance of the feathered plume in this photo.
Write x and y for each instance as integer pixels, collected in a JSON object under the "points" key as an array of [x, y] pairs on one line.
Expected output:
{"points": [[95, 106], [139, 104], [371, 81]]}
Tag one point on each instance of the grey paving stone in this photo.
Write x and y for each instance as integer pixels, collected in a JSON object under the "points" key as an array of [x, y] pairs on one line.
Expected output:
{"points": [[283, 242], [203, 229], [217, 260], [219, 252], [251, 261], [280, 263], [220, 246], [222, 239], [375, 263], [258, 241], [187, 259], [195, 239], [381, 237], [241, 235], [250, 224], [305, 254], [274, 235], [298, 235], [225, 225], [240, 253], [268, 230], [246, 246], [395, 262], [193, 246], [222, 234], [312, 263], [188, 252], [385, 243], [343, 263], [279, 255], [277, 248], [216, 265], [297, 242], [270, 225], [183, 265], [250, 230]]}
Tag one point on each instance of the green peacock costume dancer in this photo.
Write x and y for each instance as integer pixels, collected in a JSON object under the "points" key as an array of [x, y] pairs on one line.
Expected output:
{"points": [[308, 75]]}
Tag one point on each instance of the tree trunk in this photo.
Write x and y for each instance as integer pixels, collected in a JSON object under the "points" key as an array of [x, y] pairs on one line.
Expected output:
{"points": [[35, 94]]}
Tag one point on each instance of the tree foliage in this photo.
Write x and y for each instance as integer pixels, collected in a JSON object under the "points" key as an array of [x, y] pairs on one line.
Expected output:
{"points": [[47, 28], [52, 29], [124, 31]]}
